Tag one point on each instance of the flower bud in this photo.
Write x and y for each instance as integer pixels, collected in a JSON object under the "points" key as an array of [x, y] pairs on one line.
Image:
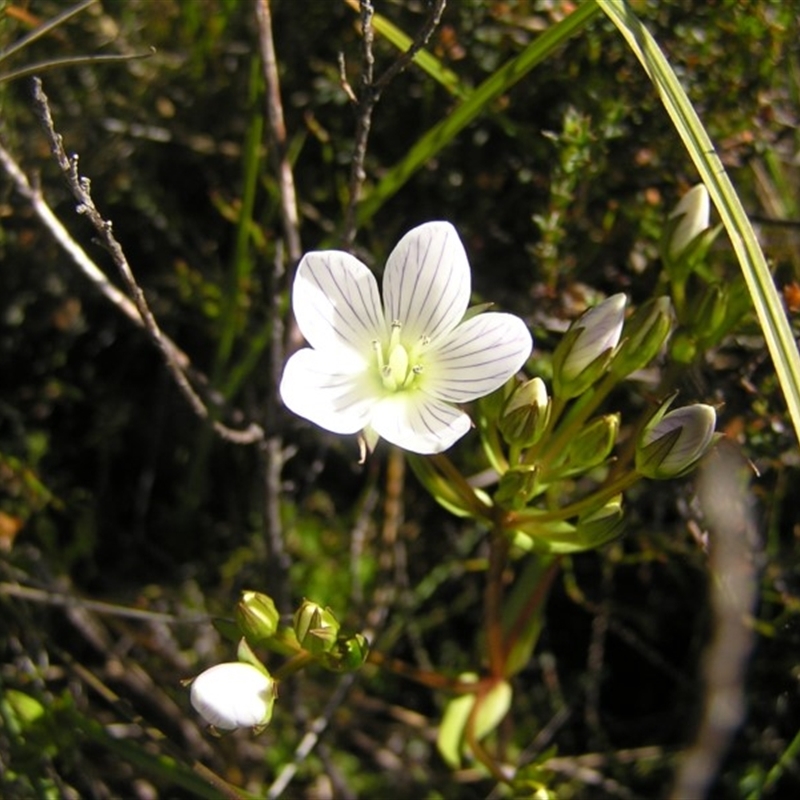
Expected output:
{"points": [[595, 442], [592, 445], [517, 486], [491, 405], [526, 414], [583, 353], [257, 616], [461, 500], [346, 655], [683, 347], [315, 627], [671, 444], [708, 313], [687, 221], [234, 695], [598, 527], [643, 336]]}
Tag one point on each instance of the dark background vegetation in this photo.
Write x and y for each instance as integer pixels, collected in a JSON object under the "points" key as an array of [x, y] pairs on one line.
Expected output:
{"points": [[112, 490]]}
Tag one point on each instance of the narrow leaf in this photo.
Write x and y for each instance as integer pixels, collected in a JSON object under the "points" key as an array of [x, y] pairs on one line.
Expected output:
{"points": [[769, 309]]}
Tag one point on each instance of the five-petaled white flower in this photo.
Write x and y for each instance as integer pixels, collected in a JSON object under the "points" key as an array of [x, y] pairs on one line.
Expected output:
{"points": [[396, 370]]}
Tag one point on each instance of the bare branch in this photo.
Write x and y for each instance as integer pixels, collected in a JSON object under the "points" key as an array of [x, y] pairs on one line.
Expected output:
{"points": [[420, 40], [177, 361], [370, 93], [42, 210], [277, 125], [278, 561]]}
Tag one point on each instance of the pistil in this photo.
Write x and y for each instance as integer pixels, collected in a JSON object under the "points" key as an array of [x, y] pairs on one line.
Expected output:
{"points": [[395, 365]]}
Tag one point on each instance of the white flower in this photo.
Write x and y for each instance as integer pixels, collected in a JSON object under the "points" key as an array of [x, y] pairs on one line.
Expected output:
{"points": [[395, 370], [234, 695]]}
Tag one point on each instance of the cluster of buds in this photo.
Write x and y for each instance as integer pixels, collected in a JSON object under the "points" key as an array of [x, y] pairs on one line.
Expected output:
{"points": [[241, 694], [318, 632], [554, 441]]}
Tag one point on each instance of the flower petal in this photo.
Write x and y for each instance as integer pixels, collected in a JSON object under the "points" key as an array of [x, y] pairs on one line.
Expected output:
{"points": [[419, 423], [479, 356], [336, 303], [426, 286], [326, 392]]}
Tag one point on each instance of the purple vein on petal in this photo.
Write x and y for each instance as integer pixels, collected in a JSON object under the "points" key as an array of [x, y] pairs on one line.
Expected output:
{"points": [[364, 312]]}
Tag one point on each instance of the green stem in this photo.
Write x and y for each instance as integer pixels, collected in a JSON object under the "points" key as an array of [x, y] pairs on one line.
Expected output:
{"points": [[493, 445], [787, 759], [499, 546], [459, 482], [534, 603], [516, 520], [294, 664], [581, 410]]}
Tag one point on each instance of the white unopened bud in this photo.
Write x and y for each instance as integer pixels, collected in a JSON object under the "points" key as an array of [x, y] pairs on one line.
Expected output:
{"points": [[692, 218], [583, 354], [673, 443], [234, 695]]}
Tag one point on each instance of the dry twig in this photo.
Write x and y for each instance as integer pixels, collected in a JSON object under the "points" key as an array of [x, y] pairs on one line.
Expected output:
{"points": [[370, 92], [176, 360]]}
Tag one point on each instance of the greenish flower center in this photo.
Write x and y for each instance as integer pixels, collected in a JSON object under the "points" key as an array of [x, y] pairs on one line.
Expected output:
{"points": [[399, 365]]}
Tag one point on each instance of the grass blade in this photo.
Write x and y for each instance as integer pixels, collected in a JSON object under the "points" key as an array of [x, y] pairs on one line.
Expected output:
{"points": [[771, 316]]}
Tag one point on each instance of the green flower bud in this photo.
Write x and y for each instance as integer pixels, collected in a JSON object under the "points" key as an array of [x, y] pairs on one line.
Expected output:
{"points": [[257, 616], [584, 352], [643, 336], [517, 486], [688, 220], [708, 314], [590, 448], [526, 414], [598, 527], [315, 627], [346, 655], [687, 235], [672, 443], [234, 695], [492, 404], [683, 347], [595, 442]]}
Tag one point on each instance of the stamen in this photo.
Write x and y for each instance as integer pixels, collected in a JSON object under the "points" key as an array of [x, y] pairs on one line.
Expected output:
{"points": [[397, 366], [376, 346]]}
